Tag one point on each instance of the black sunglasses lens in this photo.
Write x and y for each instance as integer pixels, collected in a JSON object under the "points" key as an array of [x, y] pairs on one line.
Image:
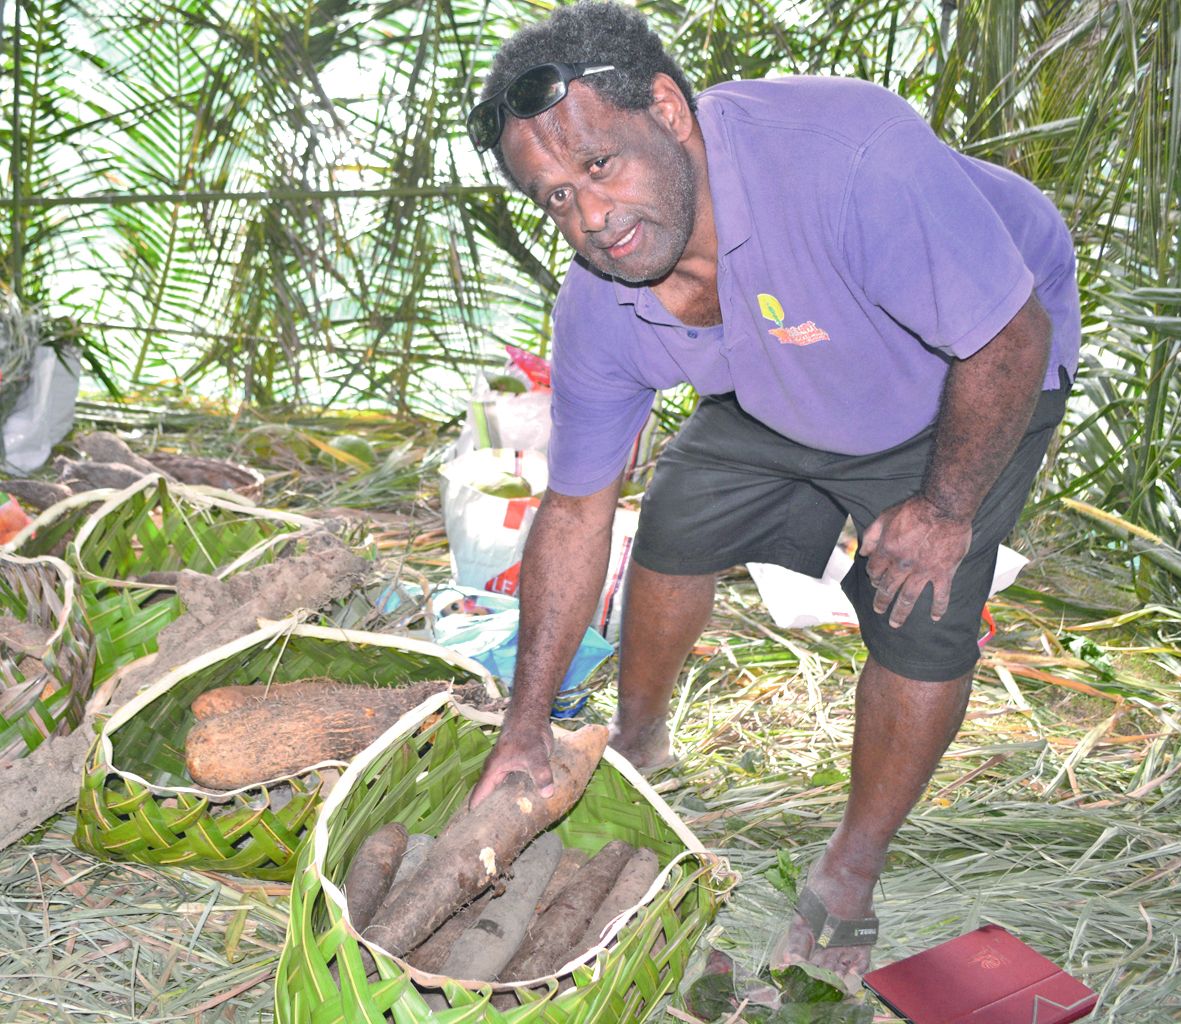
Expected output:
{"points": [[535, 90], [483, 125]]}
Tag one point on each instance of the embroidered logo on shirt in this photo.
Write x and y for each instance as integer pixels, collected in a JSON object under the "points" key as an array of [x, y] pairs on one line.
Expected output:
{"points": [[806, 333]]}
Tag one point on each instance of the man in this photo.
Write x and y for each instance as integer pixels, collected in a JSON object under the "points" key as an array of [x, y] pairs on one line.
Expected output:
{"points": [[879, 328]]}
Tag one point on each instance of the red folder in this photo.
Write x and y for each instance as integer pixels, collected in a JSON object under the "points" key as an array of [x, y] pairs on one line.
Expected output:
{"points": [[988, 976]]}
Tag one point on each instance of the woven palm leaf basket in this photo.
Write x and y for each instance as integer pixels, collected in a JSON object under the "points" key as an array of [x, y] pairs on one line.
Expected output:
{"points": [[137, 801], [46, 653], [418, 773], [158, 527]]}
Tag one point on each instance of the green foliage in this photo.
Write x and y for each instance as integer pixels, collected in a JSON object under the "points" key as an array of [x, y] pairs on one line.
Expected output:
{"points": [[784, 874]]}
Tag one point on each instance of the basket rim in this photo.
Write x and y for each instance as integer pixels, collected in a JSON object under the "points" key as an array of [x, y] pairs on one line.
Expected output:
{"points": [[270, 631], [48, 516], [199, 496], [69, 580], [318, 846]]}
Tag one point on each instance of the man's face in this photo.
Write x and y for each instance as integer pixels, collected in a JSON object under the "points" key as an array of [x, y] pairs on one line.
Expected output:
{"points": [[617, 183]]}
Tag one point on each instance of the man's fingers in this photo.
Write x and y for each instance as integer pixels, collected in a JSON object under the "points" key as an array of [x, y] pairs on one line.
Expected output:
{"points": [[488, 782], [538, 768], [941, 600], [905, 601], [886, 589], [543, 779]]}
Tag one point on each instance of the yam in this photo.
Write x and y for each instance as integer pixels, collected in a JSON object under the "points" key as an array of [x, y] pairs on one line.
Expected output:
{"points": [[430, 956], [482, 952], [224, 699], [478, 844], [372, 871], [633, 883], [552, 936], [572, 860], [284, 733], [417, 847]]}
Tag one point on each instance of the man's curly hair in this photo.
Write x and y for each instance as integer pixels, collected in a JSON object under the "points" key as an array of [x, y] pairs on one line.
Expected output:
{"points": [[590, 32]]}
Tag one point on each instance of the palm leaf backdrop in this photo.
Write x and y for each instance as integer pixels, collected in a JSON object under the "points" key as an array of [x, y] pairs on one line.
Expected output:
{"points": [[274, 200]]}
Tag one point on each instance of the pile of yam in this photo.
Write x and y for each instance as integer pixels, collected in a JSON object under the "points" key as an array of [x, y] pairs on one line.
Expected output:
{"points": [[495, 897], [245, 735]]}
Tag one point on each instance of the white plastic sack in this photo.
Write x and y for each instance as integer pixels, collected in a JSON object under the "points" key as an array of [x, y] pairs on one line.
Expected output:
{"points": [[499, 419], [44, 413], [486, 534], [796, 601]]}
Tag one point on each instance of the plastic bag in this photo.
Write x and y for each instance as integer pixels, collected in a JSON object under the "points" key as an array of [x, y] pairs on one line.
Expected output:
{"points": [[485, 626], [504, 419], [796, 601], [487, 534], [44, 412]]}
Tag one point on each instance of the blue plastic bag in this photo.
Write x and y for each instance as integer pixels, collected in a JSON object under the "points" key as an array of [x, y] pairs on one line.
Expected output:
{"points": [[490, 638]]}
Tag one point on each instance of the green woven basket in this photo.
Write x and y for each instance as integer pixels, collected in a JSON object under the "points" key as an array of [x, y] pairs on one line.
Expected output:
{"points": [[156, 526], [418, 775], [137, 803], [42, 691]]}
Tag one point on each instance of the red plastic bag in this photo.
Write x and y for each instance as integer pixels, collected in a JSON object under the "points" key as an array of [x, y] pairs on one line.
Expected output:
{"points": [[13, 518]]}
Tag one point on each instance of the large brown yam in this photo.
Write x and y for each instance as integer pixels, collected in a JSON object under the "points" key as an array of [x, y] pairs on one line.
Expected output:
{"points": [[633, 882], [482, 952], [225, 699], [199, 470], [553, 935], [417, 848], [372, 872], [270, 738], [477, 845]]}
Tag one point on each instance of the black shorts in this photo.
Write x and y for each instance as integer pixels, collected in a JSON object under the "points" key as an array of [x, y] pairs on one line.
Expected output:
{"points": [[729, 490]]}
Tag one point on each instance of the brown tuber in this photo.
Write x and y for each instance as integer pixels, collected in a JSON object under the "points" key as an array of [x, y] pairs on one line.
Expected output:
{"points": [[372, 870], [293, 727], [478, 845], [554, 935]]}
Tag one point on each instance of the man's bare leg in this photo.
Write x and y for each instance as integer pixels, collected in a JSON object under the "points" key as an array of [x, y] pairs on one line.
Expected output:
{"points": [[662, 618], [902, 729]]}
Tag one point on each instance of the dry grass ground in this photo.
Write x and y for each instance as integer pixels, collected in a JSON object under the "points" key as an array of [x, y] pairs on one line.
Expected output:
{"points": [[1056, 813]]}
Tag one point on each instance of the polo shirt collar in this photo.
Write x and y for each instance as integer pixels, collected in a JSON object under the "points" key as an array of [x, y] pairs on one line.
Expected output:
{"points": [[732, 219]]}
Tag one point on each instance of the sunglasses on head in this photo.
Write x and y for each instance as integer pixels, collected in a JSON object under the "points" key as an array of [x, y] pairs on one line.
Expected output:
{"points": [[531, 92]]}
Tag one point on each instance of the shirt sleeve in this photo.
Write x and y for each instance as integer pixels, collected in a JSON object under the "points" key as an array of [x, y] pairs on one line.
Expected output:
{"points": [[926, 246], [597, 407]]}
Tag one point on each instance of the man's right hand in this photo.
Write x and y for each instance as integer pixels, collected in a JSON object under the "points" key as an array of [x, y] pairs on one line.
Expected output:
{"points": [[519, 749]]}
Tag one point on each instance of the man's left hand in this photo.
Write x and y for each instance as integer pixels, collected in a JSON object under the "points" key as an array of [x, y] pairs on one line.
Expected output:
{"points": [[908, 546]]}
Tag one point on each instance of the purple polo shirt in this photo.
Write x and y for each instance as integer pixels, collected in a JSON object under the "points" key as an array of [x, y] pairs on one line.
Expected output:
{"points": [[857, 257]]}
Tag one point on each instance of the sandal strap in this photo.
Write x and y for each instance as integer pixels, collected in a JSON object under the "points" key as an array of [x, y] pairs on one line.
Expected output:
{"points": [[829, 930]]}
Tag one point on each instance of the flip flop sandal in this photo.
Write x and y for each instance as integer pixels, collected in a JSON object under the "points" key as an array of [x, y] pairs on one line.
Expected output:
{"points": [[828, 930]]}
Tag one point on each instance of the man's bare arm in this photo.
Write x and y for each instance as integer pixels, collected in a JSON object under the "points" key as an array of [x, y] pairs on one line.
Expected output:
{"points": [[562, 575], [988, 401]]}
